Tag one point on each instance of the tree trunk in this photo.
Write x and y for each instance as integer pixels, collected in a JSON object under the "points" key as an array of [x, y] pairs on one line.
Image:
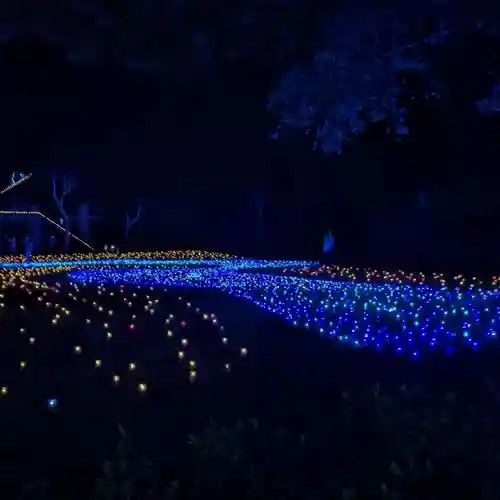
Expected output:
{"points": [[84, 221]]}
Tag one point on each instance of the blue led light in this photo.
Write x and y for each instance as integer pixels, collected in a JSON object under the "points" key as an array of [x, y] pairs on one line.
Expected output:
{"points": [[221, 263], [52, 403], [409, 318]]}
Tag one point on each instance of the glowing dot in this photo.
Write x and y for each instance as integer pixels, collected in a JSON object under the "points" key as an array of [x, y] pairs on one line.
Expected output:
{"points": [[52, 403]]}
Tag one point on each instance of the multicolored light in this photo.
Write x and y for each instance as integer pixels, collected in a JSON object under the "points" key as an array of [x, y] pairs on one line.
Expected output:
{"points": [[80, 318], [408, 318], [408, 313]]}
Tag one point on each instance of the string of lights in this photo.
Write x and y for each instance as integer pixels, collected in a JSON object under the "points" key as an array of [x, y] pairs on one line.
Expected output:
{"points": [[16, 183]]}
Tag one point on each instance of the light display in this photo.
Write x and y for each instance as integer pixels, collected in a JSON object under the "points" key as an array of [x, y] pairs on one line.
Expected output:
{"points": [[93, 323], [381, 276], [106, 303], [408, 318], [131, 262]]}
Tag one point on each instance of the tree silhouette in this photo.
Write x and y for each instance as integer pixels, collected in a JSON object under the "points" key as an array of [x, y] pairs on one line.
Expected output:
{"points": [[358, 77]]}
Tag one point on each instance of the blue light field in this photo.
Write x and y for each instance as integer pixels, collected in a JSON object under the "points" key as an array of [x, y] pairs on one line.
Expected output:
{"points": [[407, 318], [221, 263]]}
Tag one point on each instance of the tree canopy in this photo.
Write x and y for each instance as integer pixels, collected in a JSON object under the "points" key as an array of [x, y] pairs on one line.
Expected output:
{"points": [[367, 60]]}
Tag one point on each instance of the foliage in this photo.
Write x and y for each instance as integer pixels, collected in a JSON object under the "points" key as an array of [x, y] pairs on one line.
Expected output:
{"points": [[359, 76], [383, 442], [126, 476]]}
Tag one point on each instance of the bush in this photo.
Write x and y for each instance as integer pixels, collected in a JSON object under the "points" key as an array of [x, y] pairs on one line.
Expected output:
{"points": [[382, 443]]}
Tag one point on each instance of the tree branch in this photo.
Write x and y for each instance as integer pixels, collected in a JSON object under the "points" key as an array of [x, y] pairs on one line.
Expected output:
{"points": [[131, 221]]}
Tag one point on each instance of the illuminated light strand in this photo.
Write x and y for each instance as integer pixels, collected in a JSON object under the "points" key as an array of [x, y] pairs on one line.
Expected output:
{"points": [[14, 184], [29, 212], [383, 276], [163, 255], [219, 263], [14, 269]]}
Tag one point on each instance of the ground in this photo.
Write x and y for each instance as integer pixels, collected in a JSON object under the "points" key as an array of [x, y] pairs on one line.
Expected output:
{"points": [[164, 343]]}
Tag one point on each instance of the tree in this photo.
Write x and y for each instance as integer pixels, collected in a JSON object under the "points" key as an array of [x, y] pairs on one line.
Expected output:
{"points": [[131, 221], [359, 75], [67, 185]]}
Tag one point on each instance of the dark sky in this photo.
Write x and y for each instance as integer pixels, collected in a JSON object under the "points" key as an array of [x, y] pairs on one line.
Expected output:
{"points": [[105, 119]]}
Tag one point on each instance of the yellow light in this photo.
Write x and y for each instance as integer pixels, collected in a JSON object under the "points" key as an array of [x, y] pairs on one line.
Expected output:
{"points": [[78, 349], [131, 366], [4, 390], [98, 363], [116, 379], [180, 354], [142, 387]]}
